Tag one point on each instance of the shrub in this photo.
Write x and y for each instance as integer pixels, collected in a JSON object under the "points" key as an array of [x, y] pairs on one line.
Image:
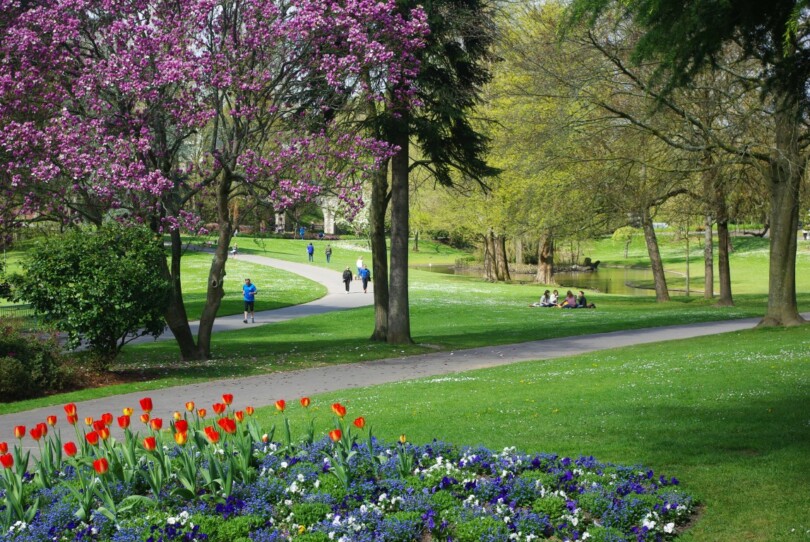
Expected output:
{"points": [[102, 288], [29, 365]]}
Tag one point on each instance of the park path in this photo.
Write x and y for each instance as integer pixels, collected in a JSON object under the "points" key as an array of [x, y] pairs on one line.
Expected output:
{"points": [[264, 390]]}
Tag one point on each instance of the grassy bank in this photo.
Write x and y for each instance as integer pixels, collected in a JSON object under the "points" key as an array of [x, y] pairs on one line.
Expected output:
{"points": [[731, 423]]}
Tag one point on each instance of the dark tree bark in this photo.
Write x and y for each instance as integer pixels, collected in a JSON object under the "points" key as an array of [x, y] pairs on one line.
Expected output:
{"points": [[786, 173], [708, 259], [176, 317], [399, 321], [545, 260], [723, 245], [518, 250], [416, 241], [502, 266], [489, 257], [661, 291], [379, 252]]}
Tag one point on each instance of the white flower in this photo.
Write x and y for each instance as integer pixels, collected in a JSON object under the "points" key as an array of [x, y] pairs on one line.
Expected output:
{"points": [[669, 527]]}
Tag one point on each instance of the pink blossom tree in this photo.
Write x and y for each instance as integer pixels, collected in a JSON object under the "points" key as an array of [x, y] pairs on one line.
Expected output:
{"points": [[134, 108]]}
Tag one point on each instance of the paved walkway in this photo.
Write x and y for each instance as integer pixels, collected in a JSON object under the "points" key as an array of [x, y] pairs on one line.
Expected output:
{"points": [[266, 389]]}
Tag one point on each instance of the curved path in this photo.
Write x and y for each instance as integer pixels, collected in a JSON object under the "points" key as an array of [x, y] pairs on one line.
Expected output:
{"points": [[266, 389]]}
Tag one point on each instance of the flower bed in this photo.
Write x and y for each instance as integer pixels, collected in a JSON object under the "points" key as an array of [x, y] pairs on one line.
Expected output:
{"points": [[220, 478]]}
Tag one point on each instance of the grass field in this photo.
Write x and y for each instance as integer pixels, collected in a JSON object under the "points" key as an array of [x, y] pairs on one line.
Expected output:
{"points": [[730, 422]]}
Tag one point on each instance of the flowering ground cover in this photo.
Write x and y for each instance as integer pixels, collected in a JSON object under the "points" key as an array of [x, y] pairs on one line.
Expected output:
{"points": [[220, 477]]}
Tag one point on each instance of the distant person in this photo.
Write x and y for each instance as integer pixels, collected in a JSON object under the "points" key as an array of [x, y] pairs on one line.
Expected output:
{"points": [[310, 252], [570, 302], [359, 264], [582, 303], [545, 300], [249, 296], [347, 278], [235, 250], [301, 231], [365, 276], [328, 253], [555, 298]]}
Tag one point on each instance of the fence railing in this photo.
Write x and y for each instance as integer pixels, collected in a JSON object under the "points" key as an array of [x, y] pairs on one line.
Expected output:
{"points": [[16, 311]]}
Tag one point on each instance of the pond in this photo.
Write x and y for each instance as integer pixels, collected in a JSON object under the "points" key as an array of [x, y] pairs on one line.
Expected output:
{"points": [[609, 280]]}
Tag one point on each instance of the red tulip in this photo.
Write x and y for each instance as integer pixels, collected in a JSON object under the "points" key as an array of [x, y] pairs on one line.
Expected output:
{"points": [[239, 415], [70, 409], [227, 398], [305, 402], [70, 449], [51, 420], [107, 418], [88, 421], [360, 422], [104, 433], [339, 410], [281, 404], [181, 426], [181, 438], [150, 443], [211, 434], [219, 408], [124, 421], [72, 419], [3, 447], [190, 406], [249, 410], [146, 404], [335, 435], [98, 425], [101, 465], [156, 424], [227, 425], [19, 431], [91, 438], [144, 418], [7, 460], [36, 433], [43, 428], [202, 413]]}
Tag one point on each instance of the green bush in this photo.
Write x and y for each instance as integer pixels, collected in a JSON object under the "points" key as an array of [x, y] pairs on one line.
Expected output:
{"points": [[310, 513], [231, 529], [30, 365], [102, 288], [481, 528], [551, 506]]}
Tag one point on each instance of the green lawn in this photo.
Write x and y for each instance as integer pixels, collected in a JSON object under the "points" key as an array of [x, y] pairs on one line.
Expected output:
{"points": [[731, 423]]}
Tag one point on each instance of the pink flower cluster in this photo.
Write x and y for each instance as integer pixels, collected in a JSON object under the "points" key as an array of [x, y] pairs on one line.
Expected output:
{"points": [[140, 104]]}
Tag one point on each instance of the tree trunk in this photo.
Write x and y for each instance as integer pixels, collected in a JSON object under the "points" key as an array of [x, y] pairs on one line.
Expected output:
{"points": [[502, 266], [416, 241], [399, 321], [786, 173], [723, 246], [489, 257], [708, 259], [379, 251], [518, 250], [661, 292], [216, 274], [175, 314], [545, 260]]}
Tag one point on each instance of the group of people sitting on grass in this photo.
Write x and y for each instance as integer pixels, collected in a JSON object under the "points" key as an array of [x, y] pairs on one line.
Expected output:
{"points": [[551, 299]]}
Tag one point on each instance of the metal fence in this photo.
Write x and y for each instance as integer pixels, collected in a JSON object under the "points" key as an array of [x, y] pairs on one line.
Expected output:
{"points": [[16, 311]]}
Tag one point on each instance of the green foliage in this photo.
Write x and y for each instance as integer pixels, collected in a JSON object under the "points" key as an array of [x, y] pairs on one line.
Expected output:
{"points": [[481, 528], [310, 513], [232, 528], [606, 534], [29, 365], [99, 287], [551, 506], [312, 537]]}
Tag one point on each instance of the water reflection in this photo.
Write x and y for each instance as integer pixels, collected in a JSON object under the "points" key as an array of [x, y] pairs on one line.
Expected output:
{"points": [[609, 280]]}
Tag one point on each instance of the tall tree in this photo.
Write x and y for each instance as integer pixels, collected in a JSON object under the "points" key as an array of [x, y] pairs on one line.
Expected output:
{"points": [[686, 37], [454, 66]]}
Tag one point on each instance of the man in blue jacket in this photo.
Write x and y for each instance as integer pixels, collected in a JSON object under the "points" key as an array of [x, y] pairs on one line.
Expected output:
{"points": [[249, 295]]}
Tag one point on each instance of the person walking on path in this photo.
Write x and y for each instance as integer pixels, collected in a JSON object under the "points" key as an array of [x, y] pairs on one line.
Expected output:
{"points": [[347, 278], [365, 276], [359, 265], [249, 295], [328, 253], [310, 251]]}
